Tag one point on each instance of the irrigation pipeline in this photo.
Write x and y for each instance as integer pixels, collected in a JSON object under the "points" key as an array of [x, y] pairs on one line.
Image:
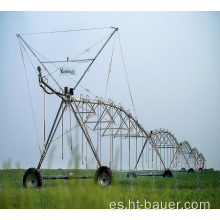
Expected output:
{"points": [[158, 139]]}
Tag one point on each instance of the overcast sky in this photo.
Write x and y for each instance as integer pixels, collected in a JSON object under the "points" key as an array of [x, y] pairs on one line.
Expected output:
{"points": [[172, 61]]}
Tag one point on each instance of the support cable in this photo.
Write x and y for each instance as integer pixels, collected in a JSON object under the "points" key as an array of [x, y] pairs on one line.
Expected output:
{"points": [[57, 68], [110, 66], [127, 76], [54, 32], [30, 97], [38, 59]]}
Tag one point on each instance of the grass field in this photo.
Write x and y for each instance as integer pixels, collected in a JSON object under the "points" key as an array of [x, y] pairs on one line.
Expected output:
{"points": [[82, 193]]}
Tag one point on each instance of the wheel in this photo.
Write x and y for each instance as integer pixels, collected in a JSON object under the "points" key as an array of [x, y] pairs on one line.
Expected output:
{"points": [[191, 170], [167, 173], [32, 178], [131, 174], [183, 169], [103, 176], [200, 169]]}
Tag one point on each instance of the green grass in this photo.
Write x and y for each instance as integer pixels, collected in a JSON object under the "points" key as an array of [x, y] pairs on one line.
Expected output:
{"points": [[82, 193]]}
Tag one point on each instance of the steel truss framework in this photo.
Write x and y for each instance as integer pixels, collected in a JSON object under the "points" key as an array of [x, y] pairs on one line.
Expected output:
{"points": [[109, 120], [167, 148], [112, 121], [193, 157], [105, 119], [202, 161]]}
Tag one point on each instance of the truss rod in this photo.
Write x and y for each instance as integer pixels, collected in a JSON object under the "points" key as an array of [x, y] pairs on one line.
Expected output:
{"points": [[69, 61], [140, 154], [82, 125], [116, 29], [52, 132], [38, 60]]}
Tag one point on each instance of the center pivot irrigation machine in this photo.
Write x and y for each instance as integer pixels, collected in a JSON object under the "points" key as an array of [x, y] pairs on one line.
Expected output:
{"points": [[105, 126]]}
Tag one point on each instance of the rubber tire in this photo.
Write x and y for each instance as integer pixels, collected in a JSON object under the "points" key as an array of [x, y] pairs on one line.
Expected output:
{"points": [[167, 173], [191, 170], [37, 177], [131, 174], [103, 170], [200, 169], [183, 169]]}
